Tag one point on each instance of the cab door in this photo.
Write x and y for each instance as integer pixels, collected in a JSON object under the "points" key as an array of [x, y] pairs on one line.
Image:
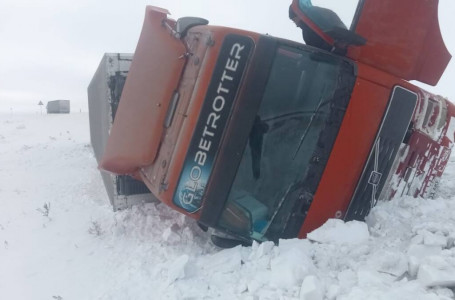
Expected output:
{"points": [[399, 37]]}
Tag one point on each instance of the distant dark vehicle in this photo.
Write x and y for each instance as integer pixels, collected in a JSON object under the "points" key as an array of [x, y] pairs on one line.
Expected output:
{"points": [[58, 107], [103, 98]]}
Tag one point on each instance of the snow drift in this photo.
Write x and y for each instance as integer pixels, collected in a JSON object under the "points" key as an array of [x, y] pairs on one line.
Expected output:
{"points": [[59, 238]]}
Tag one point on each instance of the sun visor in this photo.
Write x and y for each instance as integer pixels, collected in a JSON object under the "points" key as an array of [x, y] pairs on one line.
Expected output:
{"points": [[399, 37], [152, 79]]}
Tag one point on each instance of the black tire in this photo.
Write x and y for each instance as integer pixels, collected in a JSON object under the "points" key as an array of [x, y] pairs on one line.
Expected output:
{"points": [[226, 243]]}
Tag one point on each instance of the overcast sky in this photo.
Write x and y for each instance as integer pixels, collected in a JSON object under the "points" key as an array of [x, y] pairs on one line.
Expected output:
{"points": [[50, 49]]}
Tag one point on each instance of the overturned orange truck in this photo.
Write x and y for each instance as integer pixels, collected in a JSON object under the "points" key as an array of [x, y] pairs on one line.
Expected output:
{"points": [[262, 138]]}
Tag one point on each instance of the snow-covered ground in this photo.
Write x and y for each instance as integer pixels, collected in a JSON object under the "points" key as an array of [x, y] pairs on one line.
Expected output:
{"points": [[59, 238]]}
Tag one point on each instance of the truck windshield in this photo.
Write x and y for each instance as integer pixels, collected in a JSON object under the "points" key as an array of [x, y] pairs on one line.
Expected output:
{"points": [[293, 113]]}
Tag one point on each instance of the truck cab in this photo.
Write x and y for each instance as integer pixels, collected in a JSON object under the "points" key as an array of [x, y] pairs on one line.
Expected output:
{"points": [[262, 138]]}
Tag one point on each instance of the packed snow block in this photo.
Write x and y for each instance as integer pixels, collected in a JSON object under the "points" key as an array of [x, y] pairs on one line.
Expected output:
{"points": [[177, 269], [311, 289], [336, 231], [437, 271], [417, 253], [104, 93], [58, 107], [291, 264]]}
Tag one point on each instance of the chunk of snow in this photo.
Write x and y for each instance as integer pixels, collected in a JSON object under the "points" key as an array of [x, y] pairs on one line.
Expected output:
{"points": [[438, 270], [264, 249], [388, 262], [177, 269], [333, 291], [432, 239], [254, 286], [311, 289], [432, 276], [444, 293], [335, 231], [225, 261], [290, 265], [170, 236], [368, 277], [417, 253]]}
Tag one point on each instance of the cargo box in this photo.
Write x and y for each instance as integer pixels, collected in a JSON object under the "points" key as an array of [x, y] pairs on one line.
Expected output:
{"points": [[104, 93], [58, 107]]}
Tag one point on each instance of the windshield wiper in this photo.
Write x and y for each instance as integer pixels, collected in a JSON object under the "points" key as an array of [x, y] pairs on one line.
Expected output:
{"points": [[277, 209], [302, 138], [255, 141]]}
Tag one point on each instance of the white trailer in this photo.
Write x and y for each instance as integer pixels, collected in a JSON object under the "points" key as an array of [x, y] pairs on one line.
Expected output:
{"points": [[104, 93]]}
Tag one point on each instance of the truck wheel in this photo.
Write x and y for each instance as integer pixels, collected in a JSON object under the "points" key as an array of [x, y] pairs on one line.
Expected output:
{"points": [[227, 242]]}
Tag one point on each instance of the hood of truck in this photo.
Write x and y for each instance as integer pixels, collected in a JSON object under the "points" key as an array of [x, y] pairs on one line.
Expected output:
{"points": [[402, 37], [154, 76]]}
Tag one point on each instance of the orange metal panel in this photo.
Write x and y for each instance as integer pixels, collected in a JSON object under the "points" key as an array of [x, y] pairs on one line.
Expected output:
{"points": [[197, 69], [190, 117], [188, 125], [403, 38], [349, 154], [152, 79]]}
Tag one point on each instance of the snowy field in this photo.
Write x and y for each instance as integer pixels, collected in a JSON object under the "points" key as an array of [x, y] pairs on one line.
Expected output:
{"points": [[59, 238]]}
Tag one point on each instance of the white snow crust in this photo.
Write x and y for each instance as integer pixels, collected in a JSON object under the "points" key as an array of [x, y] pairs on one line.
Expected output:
{"points": [[78, 248]]}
